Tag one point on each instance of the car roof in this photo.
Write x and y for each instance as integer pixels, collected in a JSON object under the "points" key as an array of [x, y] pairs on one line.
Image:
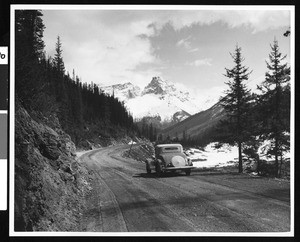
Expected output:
{"points": [[167, 145]]}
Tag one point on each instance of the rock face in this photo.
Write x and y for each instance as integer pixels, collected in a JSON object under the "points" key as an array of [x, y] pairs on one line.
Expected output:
{"points": [[180, 116], [123, 91], [155, 87], [49, 183]]}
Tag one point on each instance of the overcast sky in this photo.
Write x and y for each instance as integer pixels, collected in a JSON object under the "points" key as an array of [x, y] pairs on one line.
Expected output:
{"points": [[190, 47]]}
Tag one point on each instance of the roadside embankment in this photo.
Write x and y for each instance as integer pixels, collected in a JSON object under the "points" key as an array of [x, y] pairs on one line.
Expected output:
{"points": [[140, 152], [50, 184]]}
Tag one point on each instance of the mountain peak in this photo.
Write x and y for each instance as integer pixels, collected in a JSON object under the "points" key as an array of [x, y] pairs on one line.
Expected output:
{"points": [[156, 86], [123, 86], [123, 91]]}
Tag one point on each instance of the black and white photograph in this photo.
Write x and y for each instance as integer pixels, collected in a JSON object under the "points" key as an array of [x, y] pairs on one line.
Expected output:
{"points": [[152, 120]]}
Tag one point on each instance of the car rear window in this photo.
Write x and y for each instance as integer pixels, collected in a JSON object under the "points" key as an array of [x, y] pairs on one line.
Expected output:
{"points": [[171, 149]]}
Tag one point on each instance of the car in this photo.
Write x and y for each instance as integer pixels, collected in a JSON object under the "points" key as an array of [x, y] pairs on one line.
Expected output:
{"points": [[169, 157]]}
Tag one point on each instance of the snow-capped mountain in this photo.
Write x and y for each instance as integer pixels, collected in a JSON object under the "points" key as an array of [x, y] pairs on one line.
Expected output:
{"points": [[164, 89], [124, 91], [159, 97]]}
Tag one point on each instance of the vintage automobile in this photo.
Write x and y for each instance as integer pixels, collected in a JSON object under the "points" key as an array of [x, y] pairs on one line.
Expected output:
{"points": [[169, 157]]}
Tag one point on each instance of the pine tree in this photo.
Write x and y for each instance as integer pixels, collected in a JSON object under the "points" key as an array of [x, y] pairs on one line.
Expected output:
{"points": [[275, 104], [61, 80], [155, 134], [29, 33], [73, 77], [150, 131], [184, 135], [58, 60], [29, 48], [236, 103]]}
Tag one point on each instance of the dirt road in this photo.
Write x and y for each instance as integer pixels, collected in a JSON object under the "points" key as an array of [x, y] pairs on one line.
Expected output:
{"points": [[127, 199]]}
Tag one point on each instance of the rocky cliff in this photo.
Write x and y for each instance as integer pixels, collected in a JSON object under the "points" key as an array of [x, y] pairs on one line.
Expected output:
{"points": [[50, 184]]}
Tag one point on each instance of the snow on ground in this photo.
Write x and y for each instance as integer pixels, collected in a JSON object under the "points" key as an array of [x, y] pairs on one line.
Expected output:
{"points": [[81, 152], [212, 157], [265, 146], [131, 142]]}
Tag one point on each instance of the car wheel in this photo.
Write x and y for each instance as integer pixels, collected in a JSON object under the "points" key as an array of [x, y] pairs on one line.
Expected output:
{"points": [[158, 169], [148, 168], [188, 172]]}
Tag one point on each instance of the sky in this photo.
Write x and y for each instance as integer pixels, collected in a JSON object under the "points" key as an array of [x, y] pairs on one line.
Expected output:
{"points": [[187, 47]]}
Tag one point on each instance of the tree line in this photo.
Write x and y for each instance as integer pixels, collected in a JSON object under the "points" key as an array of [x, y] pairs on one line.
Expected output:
{"points": [[147, 128], [43, 86]]}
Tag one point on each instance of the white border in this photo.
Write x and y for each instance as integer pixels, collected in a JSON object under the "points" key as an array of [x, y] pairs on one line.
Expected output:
{"points": [[290, 8], [12, 124], [3, 184], [151, 7], [292, 121]]}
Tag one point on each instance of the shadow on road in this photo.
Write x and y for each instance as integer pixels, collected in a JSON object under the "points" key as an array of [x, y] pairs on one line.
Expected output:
{"points": [[195, 172], [214, 173], [154, 175], [280, 194], [207, 172]]}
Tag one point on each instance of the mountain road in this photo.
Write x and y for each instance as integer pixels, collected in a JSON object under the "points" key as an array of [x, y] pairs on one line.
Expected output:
{"points": [[124, 198]]}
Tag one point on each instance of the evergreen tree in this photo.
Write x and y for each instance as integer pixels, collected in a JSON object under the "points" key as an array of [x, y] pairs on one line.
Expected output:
{"points": [[184, 135], [274, 103], [236, 103], [60, 82], [29, 48], [29, 33], [155, 134], [58, 60], [151, 132]]}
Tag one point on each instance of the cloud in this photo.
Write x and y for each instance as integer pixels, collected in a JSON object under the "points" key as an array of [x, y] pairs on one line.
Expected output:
{"points": [[200, 62], [109, 46], [184, 43], [257, 20], [101, 52], [193, 50]]}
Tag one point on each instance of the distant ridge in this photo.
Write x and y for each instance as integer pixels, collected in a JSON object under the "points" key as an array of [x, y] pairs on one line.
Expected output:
{"points": [[196, 126]]}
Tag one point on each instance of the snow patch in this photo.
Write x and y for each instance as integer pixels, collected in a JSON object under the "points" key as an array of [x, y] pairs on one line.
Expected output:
{"points": [[213, 157], [265, 146], [131, 143]]}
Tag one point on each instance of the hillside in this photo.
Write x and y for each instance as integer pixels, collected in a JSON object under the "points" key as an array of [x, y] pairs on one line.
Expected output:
{"points": [[50, 184], [196, 127]]}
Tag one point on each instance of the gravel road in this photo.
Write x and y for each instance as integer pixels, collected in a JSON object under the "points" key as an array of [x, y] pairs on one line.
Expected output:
{"points": [[127, 199]]}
